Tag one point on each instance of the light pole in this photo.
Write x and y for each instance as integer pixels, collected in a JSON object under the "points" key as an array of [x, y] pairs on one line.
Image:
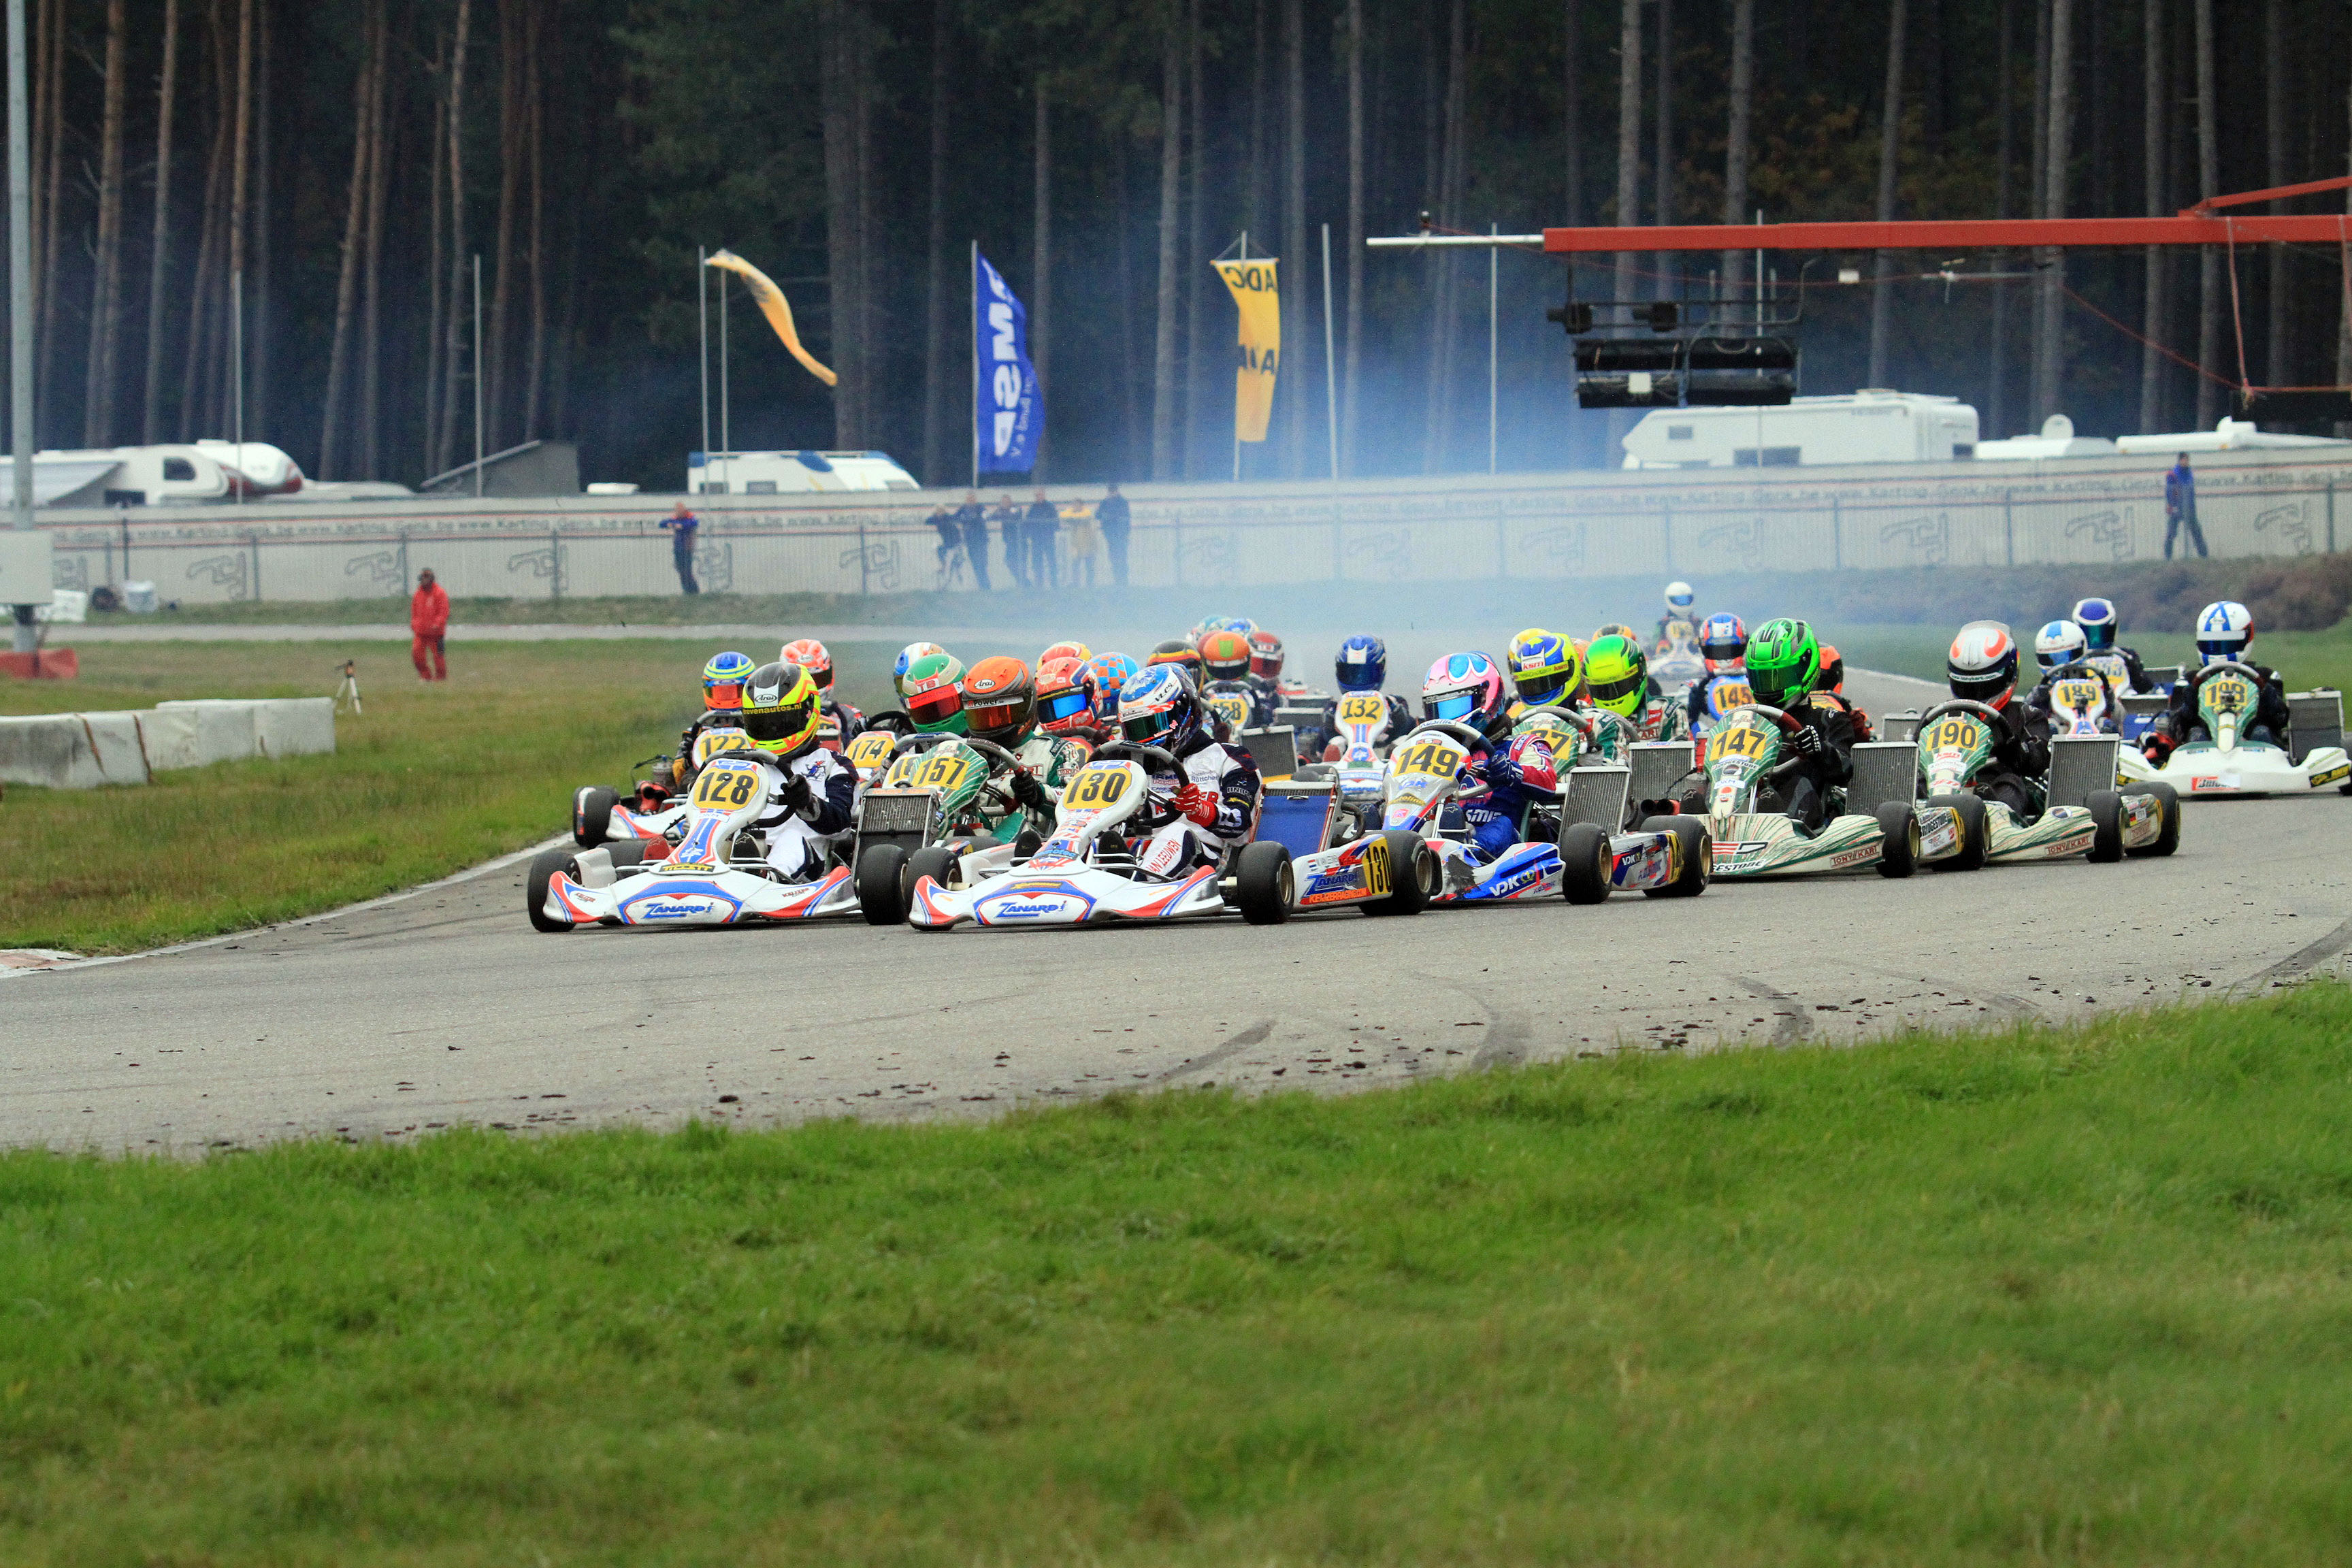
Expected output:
{"points": [[20, 300]]}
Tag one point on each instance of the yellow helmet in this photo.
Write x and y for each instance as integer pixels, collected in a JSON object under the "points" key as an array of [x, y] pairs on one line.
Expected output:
{"points": [[779, 710]]}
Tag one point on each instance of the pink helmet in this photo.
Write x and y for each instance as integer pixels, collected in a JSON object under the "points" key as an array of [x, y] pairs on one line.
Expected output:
{"points": [[1465, 689]]}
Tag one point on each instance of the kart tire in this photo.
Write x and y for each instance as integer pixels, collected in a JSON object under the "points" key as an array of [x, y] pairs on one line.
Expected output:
{"points": [[2167, 838], [882, 885], [591, 814], [1900, 826], [936, 862], [1976, 832], [2107, 821], [629, 853], [1412, 876], [543, 869], [1585, 862], [1698, 852], [1264, 883]]}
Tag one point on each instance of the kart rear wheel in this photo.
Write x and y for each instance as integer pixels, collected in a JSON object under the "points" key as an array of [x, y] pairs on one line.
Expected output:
{"points": [[592, 815], [1412, 876], [937, 863], [1898, 824], [2107, 821], [1585, 862], [1264, 883], [544, 866], [1976, 830], [2167, 838], [882, 884], [630, 853], [1697, 850]]}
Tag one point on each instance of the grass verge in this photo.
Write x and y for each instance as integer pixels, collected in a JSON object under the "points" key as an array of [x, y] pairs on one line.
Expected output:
{"points": [[1938, 1300], [2307, 660]]}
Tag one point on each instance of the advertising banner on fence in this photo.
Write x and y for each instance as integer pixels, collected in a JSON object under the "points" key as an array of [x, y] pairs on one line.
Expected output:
{"points": [[1008, 408], [1259, 302]]}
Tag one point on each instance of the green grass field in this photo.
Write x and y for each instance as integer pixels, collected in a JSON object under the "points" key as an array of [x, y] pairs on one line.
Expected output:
{"points": [[2307, 660], [1975, 1299]]}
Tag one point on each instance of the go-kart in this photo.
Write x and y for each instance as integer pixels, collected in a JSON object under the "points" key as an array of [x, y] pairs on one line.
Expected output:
{"points": [[1585, 863], [1358, 774], [932, 811], [1743, 771], [1676, 663], [2229, 763], [1087, 873], [2084, 814], [650, 810], [717, 874]]}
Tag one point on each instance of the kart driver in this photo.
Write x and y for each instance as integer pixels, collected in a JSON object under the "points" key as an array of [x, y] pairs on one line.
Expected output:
{"points": [[2121, 666], [1000, 706], [1466, 689], [1110, 671], [1225, 663], [1681, 606], [1784, 667], [1982, 668], [811, 655], [1546, 670], [722, 708], [1214, 789], [2059, 650], [929, 688], [1362, 665], [810, 789], [1831, 689], [1722, 644], [1617, 673], [1067, 701], [2225, 633]]}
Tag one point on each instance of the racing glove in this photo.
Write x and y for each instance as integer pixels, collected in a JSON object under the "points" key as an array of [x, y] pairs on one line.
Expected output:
{"points": [[798, 799], [1028, 790], [1197, 804], [1807, 743]]}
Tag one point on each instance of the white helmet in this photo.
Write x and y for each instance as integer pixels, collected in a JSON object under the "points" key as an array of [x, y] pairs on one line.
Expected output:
{"points": [[1982, 665], [1679, 598], [2059, 643], [2223, 630]]}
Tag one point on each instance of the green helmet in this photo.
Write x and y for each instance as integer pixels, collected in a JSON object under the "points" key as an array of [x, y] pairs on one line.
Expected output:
{"points": [[1784, 660], [930, 690], [1617, 674]]}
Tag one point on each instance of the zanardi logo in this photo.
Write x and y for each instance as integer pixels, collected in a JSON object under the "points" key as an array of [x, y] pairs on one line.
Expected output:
{"points": [[667, 908]]}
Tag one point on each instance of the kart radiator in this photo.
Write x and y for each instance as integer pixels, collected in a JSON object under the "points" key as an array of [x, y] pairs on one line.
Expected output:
{"points": [[1903, 727], [1597, 795], [1658, 767], [1883, 770], [1275, 751], [896, 814], [2317, 718], [2081, 766]]}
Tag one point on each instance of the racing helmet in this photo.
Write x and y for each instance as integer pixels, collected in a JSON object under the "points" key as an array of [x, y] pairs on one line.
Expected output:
{"points": [[1784, 662], [722, 682], [1066, 696], [1225, 656], [908, 656], [1833, 671], [1983, 665], [2059, 644], [2098, 620], [1110, 671], [930, 690], [1183, 655], [779, 710], [1465, 689], [1068, 649], [1544, 668], [2224, 630], [1158, 707], [1679, 598], [1617, 629], [1362, 664], [1723, 643], [1617, 674], [1266, 655], [811, 655], [1000, 701]]}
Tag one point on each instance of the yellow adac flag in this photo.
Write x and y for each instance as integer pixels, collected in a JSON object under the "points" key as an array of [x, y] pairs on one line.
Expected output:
{"points": [[772, 305], [1259, 300]]}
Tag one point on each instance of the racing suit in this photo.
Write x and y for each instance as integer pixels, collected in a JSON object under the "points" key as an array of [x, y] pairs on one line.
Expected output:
{"points": [[1661, 718], [808, 808], [1217, 789], [1520, 775], [1049, 761], [1806, 787], [1854, 716], [2020, 762], [2124, 662], [1400, 721], [2179, 723]]}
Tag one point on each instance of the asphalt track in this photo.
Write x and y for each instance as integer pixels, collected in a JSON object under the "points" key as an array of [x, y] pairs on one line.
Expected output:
{"points": [[443, 1007]]}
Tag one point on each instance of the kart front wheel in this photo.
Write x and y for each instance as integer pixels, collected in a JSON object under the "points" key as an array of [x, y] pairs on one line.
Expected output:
{"points": [[1976, 830], [2107, 824], [1412, 876], [592, 815], [1695, 848], [2167, 836], [1899, 827], [882, 884], [937, 863], [1585, 862], [1264, 883], [544, 867]]}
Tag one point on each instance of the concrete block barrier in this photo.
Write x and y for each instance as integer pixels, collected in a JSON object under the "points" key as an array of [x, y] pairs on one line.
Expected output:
{"points": [[83, 751]]}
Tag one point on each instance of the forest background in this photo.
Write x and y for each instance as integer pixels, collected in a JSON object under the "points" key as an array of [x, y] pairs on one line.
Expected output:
{"points": [[346, 159]]}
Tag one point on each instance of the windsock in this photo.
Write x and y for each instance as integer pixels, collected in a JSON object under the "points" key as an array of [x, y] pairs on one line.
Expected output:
{"points": [[776, 308]]}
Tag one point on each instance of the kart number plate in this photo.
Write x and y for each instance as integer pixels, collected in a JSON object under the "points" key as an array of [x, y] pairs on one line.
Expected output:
{"points": [[871, 751], [2228, 694], [1363, 708], [1376, 868], [727, 786], [1098, 788], [1436, 758], [940, 770], [1737, 740], [1952, 734], [1725, 695], [719, 743], [1233, 708]]}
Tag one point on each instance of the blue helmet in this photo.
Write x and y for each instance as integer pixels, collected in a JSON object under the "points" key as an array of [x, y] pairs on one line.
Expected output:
{"points": [[722, 681], [1158, 707], [2097, 618], [1363, 664]]}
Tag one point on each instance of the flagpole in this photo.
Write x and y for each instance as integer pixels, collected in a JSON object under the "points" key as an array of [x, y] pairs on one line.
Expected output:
{"points": [[477, 375], [1331, 370], [1494, 254], [702, 330], [726, 427], [1237, 393], [20, 306], [972, 319]]}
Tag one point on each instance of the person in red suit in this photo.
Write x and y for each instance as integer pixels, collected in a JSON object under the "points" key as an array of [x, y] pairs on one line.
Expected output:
{"points": [[428, 623]]}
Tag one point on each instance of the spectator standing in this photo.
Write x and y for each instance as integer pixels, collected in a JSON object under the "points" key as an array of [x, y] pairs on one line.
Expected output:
{"points": [[943, 522], [2180, 508], [428, 624], [683, 525], [1086, 541], [974, 524], [1013, 530], [1044, 531], [1113, 516]]}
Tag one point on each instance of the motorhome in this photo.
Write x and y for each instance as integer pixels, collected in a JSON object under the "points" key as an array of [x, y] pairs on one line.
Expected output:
{"points": [[788, 473], [184, 473], [1872, 426]]}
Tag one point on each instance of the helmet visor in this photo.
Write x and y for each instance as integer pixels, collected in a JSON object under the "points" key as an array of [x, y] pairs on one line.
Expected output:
{"points": [[1609, 693], [936, 706], [1540, 687], [788, 722], [1451, 705], [1000, 717], [1144, 729], [2213, 648], [722, 696], [1057, 707], [1775, 687]]}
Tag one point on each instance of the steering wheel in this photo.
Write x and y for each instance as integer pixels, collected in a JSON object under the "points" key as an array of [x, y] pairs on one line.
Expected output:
{"points": [[991, 751], [921, 741], [1446, 727], [1962, 705], [1582, 724], [894, 719], [1157, 759], [2232, 665]]}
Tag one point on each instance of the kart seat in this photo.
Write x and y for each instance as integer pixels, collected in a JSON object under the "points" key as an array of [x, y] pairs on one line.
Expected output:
{"points": [[2081, 766], [1883, 770], [2316, 719], [1298, 814]]}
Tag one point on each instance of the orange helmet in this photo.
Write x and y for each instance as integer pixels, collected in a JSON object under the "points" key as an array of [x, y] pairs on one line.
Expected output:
{"points": [[1076, 650], [809, 655], [1832, 670], [1000, 700], [1066, 697], [1182, 655], [1224, 656]]}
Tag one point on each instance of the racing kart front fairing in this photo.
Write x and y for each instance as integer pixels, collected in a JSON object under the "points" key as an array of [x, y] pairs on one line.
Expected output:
{"points": [[2228, 765], [703, 881], [1744, 762], [649, 814]]}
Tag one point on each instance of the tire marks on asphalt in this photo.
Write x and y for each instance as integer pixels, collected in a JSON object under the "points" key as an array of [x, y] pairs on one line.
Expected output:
{"points": [[1795, 1024], [2301, 962], [1255, 1034]]}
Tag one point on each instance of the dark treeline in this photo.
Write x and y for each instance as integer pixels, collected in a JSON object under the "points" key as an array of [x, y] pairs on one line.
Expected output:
{"points": [[348, 159]]}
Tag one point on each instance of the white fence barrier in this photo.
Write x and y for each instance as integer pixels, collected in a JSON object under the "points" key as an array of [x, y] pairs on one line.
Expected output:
{"points": [[83, 751]]}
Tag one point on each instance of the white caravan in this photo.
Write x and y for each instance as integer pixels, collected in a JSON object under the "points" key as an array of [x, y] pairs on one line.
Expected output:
{"points": [[1872, 426], [791, 473]]}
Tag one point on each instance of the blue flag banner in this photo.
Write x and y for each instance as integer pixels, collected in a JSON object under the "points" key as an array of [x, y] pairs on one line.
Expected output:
{"points": [[1008, 407]]}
